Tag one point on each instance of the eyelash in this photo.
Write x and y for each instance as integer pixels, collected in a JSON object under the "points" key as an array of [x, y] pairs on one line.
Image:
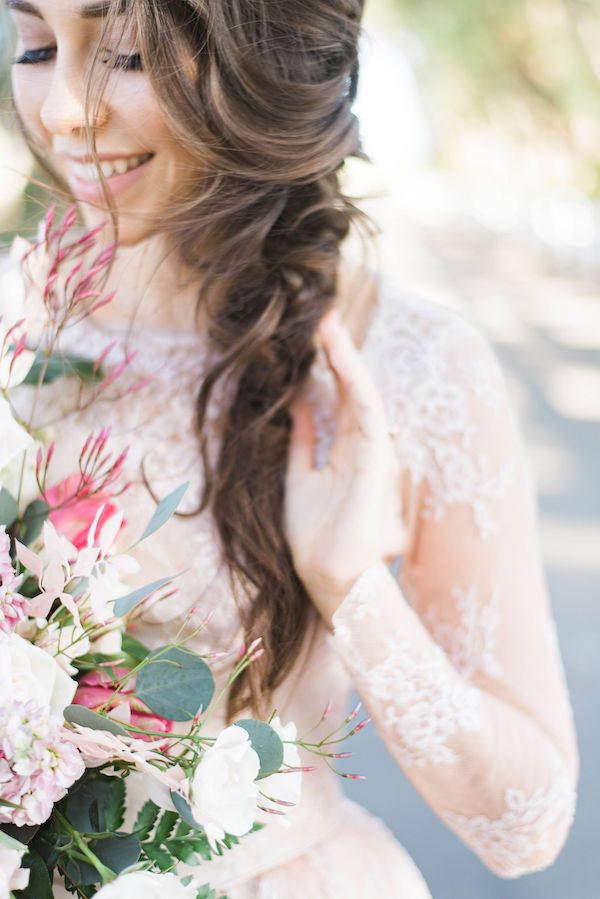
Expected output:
{"points": [[132, 63]]}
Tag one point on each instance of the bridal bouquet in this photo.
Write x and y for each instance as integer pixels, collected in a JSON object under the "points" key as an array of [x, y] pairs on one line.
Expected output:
{"points": [[84, 707]]}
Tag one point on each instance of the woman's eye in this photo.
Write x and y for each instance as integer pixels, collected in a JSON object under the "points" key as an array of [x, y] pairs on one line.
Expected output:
{"points": [[30, 57], [130, 63], [125, 63]]}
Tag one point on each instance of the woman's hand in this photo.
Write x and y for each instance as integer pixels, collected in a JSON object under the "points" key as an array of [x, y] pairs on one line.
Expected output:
{"points": [[345, 517]]}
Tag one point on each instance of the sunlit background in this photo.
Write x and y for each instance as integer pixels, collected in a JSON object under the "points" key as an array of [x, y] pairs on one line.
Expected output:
{"points": [[482, 121]]}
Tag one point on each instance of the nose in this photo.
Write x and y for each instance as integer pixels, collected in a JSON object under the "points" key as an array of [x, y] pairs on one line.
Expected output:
{"points": [[63, 110]]}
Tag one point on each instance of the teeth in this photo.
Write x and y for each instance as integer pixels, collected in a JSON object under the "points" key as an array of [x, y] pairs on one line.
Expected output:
{"points": [[87, 171]]}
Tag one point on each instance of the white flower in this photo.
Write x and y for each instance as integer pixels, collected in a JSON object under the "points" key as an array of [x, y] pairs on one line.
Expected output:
{"points": [[223, 792], [103, 569], [15, 439], [109, 643], [53, 570], [12, 876], [28, 673], [147, 885], [285, 787], [64, 644]]}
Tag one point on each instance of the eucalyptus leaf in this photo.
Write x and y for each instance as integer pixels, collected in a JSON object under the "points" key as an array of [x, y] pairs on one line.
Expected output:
{"points": [[164, 510], [184, 810], [126, 604], [79, 714], [265, 743], [175, 683], [9, 510]]}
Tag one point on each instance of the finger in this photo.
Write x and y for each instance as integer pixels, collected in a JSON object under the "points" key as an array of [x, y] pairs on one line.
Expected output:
{"points": [[358, 391], [301, 456]]}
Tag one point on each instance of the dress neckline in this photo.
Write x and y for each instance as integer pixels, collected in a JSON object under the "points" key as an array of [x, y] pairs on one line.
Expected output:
{"points": [[131, 331]]}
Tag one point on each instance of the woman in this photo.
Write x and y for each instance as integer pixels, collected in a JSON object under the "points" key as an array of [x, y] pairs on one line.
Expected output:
{"points": [[215, 131]]}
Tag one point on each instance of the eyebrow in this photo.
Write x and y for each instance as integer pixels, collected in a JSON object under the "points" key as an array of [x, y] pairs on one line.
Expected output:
{"points": [[89, 11]]}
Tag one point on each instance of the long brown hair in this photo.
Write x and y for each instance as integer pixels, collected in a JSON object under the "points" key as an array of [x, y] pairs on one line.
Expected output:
{"points": [[260, 93]]}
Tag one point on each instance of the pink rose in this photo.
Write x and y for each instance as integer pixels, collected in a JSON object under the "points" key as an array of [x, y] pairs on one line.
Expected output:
{"points": [[96, 690], [73, 517]]}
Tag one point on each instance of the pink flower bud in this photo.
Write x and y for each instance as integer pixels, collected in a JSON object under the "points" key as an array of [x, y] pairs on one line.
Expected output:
{"points": [[327, 711]]}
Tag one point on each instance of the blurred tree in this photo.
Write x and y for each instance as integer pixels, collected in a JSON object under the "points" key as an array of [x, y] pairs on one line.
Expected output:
{"points": [[489, 56]]}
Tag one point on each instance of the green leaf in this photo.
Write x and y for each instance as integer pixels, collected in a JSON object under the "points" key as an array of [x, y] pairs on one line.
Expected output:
{"points": [[79, 714], [165, 826], [146, 819], [163, 859], [205, 892], [125, 604], [184, 851], [39, 886], [118, 852], [7, 804], [175, 683], [9, 510], [80, 873], [33, 520], [134, 648], [164, 510], [266, 744], [96, 804], [59, 366]]}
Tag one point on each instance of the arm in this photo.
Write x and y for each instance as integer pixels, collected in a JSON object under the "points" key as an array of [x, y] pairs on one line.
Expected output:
{"points": [[458, 663]]}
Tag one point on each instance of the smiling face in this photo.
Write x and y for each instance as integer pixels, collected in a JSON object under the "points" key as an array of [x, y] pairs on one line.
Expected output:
{"points": [[142, 162]]}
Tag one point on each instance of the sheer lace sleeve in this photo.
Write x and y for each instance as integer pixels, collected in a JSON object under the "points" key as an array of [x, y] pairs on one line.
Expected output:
{"points": [[458, 662]]}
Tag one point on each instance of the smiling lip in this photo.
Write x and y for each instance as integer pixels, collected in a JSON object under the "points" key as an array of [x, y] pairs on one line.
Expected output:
{"points": [[91, 191]]}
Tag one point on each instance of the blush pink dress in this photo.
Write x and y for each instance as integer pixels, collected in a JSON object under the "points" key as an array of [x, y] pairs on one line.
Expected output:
{"points": [[457, 661]]}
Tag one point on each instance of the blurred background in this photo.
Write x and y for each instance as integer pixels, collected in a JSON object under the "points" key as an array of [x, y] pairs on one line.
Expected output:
{"points": [[482, 121]]}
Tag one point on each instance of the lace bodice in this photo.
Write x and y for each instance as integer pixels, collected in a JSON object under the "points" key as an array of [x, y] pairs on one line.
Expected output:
{"points": [[457, 658]]}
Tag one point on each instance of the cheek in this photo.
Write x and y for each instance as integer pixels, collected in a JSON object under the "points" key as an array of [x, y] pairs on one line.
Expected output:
{"points": [[29, 94], [138, 107]]}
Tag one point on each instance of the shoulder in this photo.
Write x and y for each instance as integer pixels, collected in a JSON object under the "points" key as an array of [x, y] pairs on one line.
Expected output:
{"points": [[446, 398], [424, 354]]}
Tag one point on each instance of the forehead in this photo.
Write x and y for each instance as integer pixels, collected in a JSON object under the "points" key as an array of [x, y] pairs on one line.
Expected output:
{"points": [[84, 9]]}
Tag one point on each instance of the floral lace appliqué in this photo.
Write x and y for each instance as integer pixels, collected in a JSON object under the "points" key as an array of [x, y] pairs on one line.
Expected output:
{"points": [[511, 842], [469, 638], [422, 701]]}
